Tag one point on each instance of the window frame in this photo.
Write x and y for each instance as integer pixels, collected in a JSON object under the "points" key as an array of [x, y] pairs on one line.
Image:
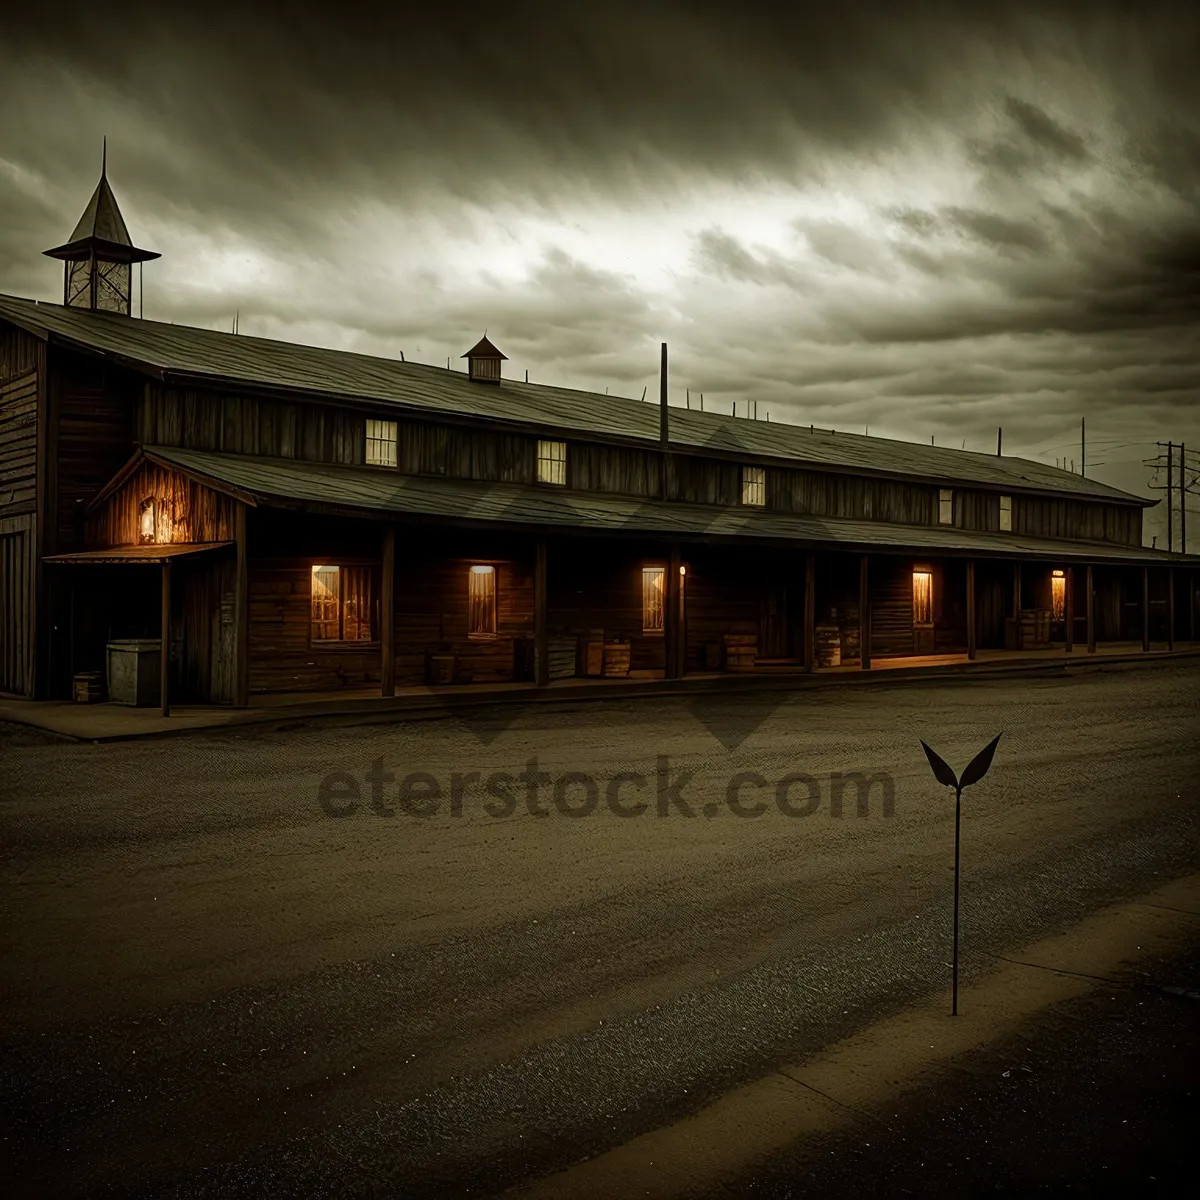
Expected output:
{"points": [[341, 643], [925, 573], [648, 571], [548, 460], [484, 571], [945, 516], [1006, 514], [754, 481], [370, 439]]}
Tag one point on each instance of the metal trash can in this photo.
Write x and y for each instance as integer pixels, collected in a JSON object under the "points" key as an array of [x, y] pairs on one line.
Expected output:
{"points": [[134, 671]]}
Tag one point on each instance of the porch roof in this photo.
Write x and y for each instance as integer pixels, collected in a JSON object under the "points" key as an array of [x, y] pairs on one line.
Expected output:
{"points": [[379, 493], [137, 554]]}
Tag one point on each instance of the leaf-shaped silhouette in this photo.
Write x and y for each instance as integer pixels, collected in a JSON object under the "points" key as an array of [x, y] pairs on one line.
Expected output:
{"points": [[977, 768], [941, 769]]}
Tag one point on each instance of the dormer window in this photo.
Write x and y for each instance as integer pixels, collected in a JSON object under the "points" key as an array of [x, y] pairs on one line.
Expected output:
{"points": [[1006, 514], [381, 444], [754, 486], [146, 522], [552, 462], [946, 506], [483, 362]]}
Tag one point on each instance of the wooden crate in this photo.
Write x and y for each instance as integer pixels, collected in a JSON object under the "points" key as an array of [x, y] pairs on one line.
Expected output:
{"points": [[563, 653], [741, 650], [593, 653], [829, 646], [616, 659], [89, 687]]}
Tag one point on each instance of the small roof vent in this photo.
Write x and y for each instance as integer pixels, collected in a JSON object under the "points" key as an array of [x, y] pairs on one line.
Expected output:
{"points": [[483, 361]]}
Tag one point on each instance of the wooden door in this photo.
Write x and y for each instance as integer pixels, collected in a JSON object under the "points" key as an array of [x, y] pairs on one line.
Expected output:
{"points": [[773, 636]]}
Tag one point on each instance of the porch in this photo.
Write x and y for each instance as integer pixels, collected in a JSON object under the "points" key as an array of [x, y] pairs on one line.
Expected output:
{"points": [[365, 704]]}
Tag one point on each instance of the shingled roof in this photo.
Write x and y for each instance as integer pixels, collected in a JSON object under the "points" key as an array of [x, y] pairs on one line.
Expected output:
{"points": [[193, 357]]}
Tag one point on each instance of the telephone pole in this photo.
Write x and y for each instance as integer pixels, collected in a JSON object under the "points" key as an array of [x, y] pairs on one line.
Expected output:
{"points": [[1170, 501], [1083, 445]]}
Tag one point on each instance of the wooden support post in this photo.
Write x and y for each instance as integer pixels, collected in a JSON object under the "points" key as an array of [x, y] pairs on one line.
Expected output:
{"points": [[1091, 611], [970, 608], [864, 613], [1145, 608], [241, 676], [1017, 591], [1191, 606], [810, 612], [1069, 610], [541, 626], [164, 677], [1170, 608], [387, 614], [671, 616]]}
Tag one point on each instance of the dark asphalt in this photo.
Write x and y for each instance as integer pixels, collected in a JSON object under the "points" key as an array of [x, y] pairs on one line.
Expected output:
{"points": [[1098, 1096], [448, 1006]]}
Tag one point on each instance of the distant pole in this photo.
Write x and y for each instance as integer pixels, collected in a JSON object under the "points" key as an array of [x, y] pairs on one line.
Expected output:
{"points": [[999, 439], [1170, 495], [1183, 505], [1072, 466], [1083, 445], [526, 374], [735, 408], [141, 291], [688, 397], [701, 401], [933, 439], [643, 393]]}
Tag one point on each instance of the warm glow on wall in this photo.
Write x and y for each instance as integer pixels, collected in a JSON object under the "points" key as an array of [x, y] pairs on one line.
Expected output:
{"points": [[1058, 594], [922, 598]]}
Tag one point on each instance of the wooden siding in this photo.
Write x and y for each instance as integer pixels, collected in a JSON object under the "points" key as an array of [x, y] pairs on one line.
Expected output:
{"points": [[93, 436], [310, 431], [18, 444], [891, 591], [195, 513], [17, 576]]}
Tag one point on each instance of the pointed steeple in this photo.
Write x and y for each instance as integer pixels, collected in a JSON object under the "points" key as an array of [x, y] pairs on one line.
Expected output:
{"points": [[99, 253]]}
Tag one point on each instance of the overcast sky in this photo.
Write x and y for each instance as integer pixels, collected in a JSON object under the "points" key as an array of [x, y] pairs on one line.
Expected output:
{"points": [[931, 221]]}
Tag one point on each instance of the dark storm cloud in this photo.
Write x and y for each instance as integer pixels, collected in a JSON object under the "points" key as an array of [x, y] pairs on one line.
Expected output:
{"points": [[1028, 175]]}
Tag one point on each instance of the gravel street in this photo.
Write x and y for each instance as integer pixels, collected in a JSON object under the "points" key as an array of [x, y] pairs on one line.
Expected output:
{"points": [[409, 958]]}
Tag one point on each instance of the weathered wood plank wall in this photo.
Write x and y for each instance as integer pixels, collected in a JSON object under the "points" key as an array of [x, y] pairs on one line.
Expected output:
{"points": [[186, 511]]}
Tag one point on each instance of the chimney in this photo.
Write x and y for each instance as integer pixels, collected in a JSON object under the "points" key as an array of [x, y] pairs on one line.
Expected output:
{"points": [[483, 362]]}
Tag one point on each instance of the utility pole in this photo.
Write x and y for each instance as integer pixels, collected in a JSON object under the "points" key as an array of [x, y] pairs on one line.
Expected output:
{"points": [[1082, 446], [1170, 500], [999, 439], [1182, 501]]}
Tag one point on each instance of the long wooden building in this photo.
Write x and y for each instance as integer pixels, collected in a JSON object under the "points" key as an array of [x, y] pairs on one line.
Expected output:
{"points": [[288, 518]]}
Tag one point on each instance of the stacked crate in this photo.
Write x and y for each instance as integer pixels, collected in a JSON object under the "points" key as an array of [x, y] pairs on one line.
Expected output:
{"points": [[616, 659], [562, 652], [741, 649]]}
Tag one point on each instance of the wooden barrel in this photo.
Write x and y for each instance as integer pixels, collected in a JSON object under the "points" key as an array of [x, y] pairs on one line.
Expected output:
{"points": [[829, 646], [850, 645]]}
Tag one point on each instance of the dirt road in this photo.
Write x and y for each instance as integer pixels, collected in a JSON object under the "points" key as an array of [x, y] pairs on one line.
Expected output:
{"points": [[212, 985]]}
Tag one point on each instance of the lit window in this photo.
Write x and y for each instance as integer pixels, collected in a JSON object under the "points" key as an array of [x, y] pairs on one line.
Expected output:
{"points": [[754, 486], [945, 506], [654, 580], [341, 604], [481, 602], [381, 443], [146, 527], [1005, 514], [1058, 594], [552, 462], [922, 598]]}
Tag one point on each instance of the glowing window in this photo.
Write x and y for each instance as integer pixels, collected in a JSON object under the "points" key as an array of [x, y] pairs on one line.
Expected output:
{"points": [[1005, 514], [1058, 594], [654, 581], [146, 522], [381, 444], [341, 604], [552, 462], [922, 598], [481, 601], [946, 506], [754, 486]]}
